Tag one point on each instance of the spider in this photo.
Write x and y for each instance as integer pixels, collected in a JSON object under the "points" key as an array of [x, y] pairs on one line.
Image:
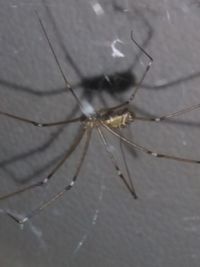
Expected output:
{"points": [[110, 119]]}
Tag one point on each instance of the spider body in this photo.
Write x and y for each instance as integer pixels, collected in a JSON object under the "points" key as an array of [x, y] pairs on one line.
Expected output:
{"points": [[119, 119], [113, 119]]}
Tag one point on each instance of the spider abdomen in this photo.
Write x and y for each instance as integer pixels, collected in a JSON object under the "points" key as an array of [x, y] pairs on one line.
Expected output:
{"points": [[119, 120]]}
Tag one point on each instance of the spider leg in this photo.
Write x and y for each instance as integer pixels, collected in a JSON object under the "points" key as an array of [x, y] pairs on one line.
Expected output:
{"points": [[68, 85], [38, 124], [119, 173], [126, 166], [147, 151], [60, 193], [138, 86], [51, 174], [170, 115]]}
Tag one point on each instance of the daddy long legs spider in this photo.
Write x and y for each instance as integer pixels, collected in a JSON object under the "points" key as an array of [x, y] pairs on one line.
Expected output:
{"points": [[109, 119]]}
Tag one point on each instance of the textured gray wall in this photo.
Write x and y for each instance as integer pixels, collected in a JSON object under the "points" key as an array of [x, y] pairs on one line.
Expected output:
{"points": [[98, 223]]}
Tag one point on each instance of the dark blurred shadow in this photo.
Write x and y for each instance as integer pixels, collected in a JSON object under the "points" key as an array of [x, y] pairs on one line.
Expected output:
{"points": [[29, 90]]}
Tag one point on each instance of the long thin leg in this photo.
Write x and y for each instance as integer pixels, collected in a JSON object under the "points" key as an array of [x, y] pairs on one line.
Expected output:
{"points": [[170, 115], [68, 85], [38, 124], [120, 174], [50, 175], [126, 166], [59, 194], [147, 151], [138, 86]]}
